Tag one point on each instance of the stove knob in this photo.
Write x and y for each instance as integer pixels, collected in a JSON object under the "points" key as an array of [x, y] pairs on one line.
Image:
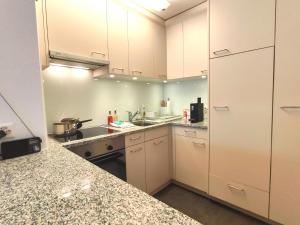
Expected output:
{"points": [[87, 154], [110, 147]]}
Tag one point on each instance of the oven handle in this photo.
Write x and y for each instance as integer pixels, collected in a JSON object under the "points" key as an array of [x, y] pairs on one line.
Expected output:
{"points": [[104, 157]]}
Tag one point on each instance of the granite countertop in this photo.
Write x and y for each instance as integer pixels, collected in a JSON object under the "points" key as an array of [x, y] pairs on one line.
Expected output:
{"points": [[56, 186], [126, 131]]}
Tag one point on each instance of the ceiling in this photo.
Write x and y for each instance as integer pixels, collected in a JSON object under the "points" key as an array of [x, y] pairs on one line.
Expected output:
{"points": [[176, 7]]}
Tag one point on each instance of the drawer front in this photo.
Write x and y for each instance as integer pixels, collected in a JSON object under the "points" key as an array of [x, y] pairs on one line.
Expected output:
{"points": [[243, 196], [191, 162], [156, 133], [134, 139], [191, 132], [136, 166]]}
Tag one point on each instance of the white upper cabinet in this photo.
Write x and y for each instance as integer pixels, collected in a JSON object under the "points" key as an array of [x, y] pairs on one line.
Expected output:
{"points": [[187, 43], [78, 27], [195, 39], [240, 25], [285, 182], [117, 37], [160, 51], [175, 51], [141, 39]]}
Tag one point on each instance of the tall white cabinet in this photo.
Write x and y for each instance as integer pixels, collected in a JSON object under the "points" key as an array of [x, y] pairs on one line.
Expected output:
{"points": [[240, 124], [285, 182]]}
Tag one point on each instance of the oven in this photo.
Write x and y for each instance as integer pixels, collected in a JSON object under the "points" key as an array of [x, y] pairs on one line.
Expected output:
{"points": [[108, 154]]}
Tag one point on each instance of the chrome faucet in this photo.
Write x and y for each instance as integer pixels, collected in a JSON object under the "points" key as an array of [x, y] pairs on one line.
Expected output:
{"points": [[132, 115]]}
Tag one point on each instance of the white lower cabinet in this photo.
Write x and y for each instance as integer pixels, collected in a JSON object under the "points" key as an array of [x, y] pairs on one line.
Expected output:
{"points": [[147, 159], [135, 166], [157, 163], [191, 162], [243, 196]]}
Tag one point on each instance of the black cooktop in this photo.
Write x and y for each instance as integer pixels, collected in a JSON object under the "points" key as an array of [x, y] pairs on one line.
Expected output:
{"points": [[84, 133]]}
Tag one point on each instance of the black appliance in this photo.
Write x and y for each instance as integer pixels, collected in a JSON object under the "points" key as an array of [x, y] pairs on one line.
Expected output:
{"points": [[12, 149], [83, 133], [107, 153], [197, 114]]}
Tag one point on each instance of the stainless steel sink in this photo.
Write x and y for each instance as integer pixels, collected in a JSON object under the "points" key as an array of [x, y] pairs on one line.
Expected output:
{"points": [[142, 123]]}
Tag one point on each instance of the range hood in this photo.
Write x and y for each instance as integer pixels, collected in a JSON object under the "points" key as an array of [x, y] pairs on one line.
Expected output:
{"points": [[76, 61]]}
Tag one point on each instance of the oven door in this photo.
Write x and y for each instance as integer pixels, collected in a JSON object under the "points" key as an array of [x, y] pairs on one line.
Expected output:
{"points": [[113, 163]]}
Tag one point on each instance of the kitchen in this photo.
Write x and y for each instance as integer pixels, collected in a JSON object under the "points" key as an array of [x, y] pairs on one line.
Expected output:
{"points": [[149, 112]]}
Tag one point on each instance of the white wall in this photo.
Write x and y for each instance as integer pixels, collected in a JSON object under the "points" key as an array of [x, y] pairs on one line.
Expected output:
{"points": [[20, 80], [182, 93], [74, 93]]}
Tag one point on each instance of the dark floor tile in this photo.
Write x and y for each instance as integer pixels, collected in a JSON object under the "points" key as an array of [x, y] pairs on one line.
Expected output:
{"points": [[203, 209]]}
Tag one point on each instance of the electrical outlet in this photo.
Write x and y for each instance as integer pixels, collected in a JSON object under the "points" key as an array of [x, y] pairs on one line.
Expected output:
{"points": [[8, 129]]}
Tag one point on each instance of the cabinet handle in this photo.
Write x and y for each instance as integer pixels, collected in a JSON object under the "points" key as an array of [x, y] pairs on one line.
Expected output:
{"points": [[136, 150], [120, 69], [234, 188], [190, 131], [98, 53], [158, 143], [222, 108], [222, 52], [136, 71], [134, 139], [202, 145], [289, 107]]}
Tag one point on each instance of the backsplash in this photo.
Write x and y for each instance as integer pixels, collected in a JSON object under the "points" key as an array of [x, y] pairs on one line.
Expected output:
{"points": [[182, 93], [73, 93]]}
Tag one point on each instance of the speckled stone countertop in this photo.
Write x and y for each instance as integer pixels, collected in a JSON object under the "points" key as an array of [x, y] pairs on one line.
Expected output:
{"points": [[125, 131], [56, 186]]}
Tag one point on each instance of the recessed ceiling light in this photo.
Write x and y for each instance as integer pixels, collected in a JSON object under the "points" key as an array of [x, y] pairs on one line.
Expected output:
{"points": [[157, 5], [134, 78], [112, 75], [204, 77], [165, 81], [148, 83]]}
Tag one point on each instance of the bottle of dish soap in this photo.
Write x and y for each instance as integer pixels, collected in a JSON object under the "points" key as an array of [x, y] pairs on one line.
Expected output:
{"points": [[115, 116], [109, 118]]}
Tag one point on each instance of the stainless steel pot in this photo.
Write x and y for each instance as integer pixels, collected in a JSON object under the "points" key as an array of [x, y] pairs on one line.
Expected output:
{"points": [[68, 126]]}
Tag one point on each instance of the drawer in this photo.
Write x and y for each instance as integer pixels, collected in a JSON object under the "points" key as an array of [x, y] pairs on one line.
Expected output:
{"points": [[191, 132], [156, 133], [245, 197], [134, 139]]}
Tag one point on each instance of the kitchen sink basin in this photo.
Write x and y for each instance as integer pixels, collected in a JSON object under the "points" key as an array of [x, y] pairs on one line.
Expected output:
{"points": [[142, 123]]}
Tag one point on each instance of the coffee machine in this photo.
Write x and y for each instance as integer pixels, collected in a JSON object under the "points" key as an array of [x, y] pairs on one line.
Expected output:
{"points": [[197, 113]]}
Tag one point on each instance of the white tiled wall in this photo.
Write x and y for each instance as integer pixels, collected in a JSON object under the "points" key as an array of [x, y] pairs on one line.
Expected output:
{"points": [[182, 93], [74, 93]]}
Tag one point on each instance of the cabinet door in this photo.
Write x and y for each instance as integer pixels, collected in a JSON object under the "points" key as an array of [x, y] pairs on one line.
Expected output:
{"points": [[39, 10], [285, 183], [240, 117], [191, 162], [160, 53], [175, 51], [117, 37], [241, 25], [195, 30], [78, 27], [135, 166], [157, 163], [141, 61]]}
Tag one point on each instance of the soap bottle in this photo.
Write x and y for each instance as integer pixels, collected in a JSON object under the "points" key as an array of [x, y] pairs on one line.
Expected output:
{"points": [[115, 116], [109, 118]]}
